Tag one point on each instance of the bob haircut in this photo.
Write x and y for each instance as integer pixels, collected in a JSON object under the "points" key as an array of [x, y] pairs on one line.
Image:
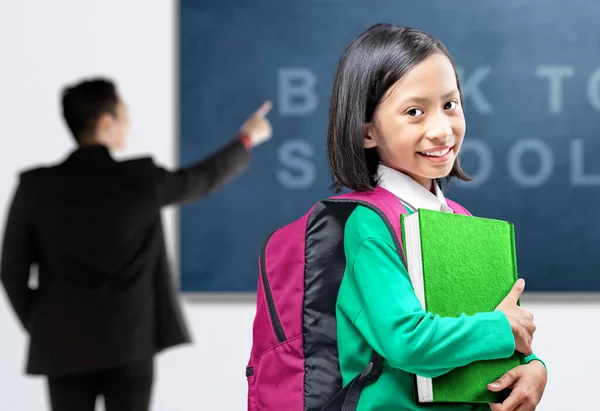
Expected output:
{"points": [[370, 65]]}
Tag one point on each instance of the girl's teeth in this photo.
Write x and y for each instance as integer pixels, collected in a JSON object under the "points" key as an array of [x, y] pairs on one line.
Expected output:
{"points": [[436, 153]]}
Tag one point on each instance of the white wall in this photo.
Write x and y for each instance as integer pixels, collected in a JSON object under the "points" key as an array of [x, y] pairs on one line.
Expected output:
{"points": [[45, 44]]}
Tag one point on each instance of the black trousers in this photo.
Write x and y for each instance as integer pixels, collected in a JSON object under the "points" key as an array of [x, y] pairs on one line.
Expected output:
{"points": [[126, 388]]}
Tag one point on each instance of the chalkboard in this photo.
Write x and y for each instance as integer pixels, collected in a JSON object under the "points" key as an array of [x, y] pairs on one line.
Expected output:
{"points": [[531, 82]]}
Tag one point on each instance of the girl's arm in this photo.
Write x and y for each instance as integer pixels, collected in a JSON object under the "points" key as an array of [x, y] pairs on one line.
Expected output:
{"points": [[391, 318]]}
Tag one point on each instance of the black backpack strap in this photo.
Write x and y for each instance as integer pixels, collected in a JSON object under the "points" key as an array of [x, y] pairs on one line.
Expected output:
{"points": [[347, 398]]}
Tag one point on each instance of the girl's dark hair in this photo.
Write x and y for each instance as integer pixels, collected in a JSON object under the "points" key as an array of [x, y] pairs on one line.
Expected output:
{"points": [[370, 65]]}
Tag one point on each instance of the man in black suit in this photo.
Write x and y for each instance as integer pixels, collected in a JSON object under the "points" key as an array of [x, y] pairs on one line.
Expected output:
{"points": [[104, 305]]}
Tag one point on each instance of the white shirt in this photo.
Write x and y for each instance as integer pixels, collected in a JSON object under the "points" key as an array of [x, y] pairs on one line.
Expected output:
{"points": [[412, 194]]}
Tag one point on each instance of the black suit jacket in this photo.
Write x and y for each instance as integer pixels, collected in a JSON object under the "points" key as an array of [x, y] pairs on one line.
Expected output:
{"points": [[92, 225]]}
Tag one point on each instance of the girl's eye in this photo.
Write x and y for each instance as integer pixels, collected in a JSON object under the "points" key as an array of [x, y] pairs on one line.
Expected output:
{"points": [[451, 105], [413, 112]]}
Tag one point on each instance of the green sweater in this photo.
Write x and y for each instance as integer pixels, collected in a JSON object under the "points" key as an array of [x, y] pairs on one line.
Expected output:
{"points": [[377, 309]]}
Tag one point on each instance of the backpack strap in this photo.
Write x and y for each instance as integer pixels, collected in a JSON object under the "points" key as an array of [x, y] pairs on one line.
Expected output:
{"points": [[389, 208], [387, 205], [457, 208], [347, 398]]}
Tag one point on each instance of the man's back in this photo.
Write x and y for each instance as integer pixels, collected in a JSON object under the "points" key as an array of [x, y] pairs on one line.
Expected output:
{"points": [[93, 227], [94, 217]]}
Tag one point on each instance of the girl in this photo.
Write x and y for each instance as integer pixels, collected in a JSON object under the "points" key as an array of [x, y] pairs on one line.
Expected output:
{"points": [[396, 121]]}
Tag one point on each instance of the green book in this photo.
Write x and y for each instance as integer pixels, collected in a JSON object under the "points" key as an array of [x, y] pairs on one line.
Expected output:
{"points": [[460, 265]]}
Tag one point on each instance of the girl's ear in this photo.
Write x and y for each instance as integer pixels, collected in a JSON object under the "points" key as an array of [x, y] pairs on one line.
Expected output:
{"points": [[370, 132]]}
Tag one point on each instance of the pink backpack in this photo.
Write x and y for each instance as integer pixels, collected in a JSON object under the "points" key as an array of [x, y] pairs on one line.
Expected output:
{"points": [[294, 359]]}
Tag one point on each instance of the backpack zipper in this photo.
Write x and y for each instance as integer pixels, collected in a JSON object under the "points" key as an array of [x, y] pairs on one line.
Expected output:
{"points": [[249, 372], [275, 321]]}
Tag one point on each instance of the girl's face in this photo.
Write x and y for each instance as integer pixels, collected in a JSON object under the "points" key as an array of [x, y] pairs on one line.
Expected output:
{"points": [[419, 126]]}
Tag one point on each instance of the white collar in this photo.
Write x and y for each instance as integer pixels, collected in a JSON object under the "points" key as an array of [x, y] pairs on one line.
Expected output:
{"points": [[411, 193]]}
